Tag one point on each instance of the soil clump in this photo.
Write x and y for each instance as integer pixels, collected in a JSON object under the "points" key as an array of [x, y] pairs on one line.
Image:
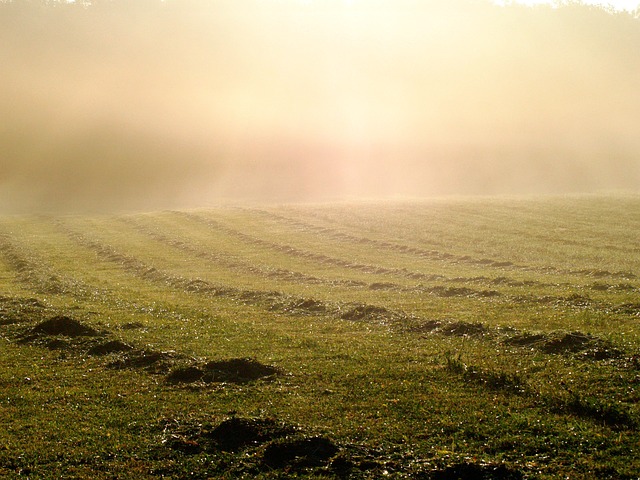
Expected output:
{"points": [[112, 346], [237, 370], [300, 453], [63, 325], [587, 345], [237, 433], [231, 435], [366, 313]]}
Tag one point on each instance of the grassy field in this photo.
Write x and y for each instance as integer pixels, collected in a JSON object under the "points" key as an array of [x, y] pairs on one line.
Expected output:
{"points": [[440, 339]]}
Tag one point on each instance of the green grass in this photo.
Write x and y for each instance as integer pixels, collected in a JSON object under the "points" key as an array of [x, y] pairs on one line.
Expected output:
{"points": [[484, 338]]}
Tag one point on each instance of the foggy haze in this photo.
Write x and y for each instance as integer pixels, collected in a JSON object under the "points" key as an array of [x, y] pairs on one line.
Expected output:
{"points": [[148, 104]]}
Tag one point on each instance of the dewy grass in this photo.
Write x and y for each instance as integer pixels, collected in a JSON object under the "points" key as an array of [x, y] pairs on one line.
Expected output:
{"points": [[492, 338]]}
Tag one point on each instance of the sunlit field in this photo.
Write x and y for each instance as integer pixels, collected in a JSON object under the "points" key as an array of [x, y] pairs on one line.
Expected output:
{"points": [[193, 283], [439, 339]]}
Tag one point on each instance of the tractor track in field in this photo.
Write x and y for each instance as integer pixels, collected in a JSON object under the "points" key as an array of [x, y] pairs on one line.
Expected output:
{"points": [[439, 290], [396, 247], [293, 276], [272, 300], [349, 265], [41, 277], [307, 255], [228, 261], [179, 369], [436, 254], [38, 276], [587, 346]]}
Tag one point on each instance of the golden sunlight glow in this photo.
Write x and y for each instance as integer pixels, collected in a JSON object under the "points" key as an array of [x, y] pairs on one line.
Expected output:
{"points": [[628, 5], [150, 104]]}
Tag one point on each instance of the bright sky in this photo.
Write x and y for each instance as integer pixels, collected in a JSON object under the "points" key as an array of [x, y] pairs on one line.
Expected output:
{"points": [[629, 5], [313, 100]]}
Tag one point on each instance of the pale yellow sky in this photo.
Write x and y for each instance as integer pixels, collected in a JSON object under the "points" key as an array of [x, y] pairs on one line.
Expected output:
{"points": [[629, 5], [146, 104]]}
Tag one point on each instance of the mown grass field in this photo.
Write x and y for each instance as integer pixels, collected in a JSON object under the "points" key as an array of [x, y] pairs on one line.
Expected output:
{"points": [[458, 338]]}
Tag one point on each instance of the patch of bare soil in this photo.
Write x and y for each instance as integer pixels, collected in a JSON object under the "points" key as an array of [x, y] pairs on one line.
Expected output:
{"points": [[63, 325], [60, 333], [238, 370], [232, 435], [256, 445], [299, 453], [452, 329], [465, 329], [112, 346], [306, 306], [185, 375], [237, 433], [586, 345], [235, 370], [366, 313]]}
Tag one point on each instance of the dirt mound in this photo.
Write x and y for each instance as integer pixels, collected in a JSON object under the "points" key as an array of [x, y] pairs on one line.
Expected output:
{"points": [[426, 327], [150, 360], [63, 325], [185, 375], [526, 340], [57, 344], [113, 346], [197, 285], [365, 313], [452, 329], [477, 472], [237, 370], [588, 346], [304, 452], [232, 435], [464, 329], [568, 343], [236, 433], [307, 305]]}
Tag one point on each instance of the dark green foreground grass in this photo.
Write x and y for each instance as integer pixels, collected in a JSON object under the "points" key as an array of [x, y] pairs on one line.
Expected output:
{"points": [[493, 338]]}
